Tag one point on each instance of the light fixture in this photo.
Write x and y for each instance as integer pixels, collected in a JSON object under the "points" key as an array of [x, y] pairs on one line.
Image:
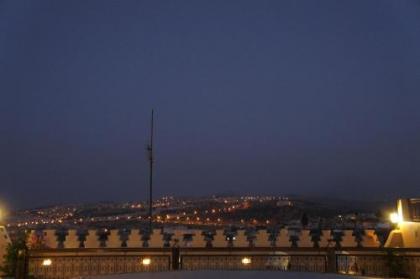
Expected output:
{"points": [[146, 261], [246, 261], [395, 218], [46, 262]]}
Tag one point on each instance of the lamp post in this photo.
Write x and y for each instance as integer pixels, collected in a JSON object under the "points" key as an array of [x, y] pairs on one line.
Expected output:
{"points": [[151, 161]]}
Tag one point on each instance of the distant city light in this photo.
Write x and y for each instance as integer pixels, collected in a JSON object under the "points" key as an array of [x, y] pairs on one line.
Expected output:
{"points": [[46, 262], [146, 261]]}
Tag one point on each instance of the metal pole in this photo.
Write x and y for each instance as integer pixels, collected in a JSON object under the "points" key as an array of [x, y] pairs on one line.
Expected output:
{"points": [[151, 160]]}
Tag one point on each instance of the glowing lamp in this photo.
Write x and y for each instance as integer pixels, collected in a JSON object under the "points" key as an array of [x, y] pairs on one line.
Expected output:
{"points": [[246, 261], [46, 262], [395, 218], [146, 261]]}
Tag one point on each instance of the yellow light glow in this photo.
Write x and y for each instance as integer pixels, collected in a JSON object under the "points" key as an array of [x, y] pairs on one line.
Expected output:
{"points": [[3, 212], [146, 261], [46, 262], [246, 261], [395, 218]]}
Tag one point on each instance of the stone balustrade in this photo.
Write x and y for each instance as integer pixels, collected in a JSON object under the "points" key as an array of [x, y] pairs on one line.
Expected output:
{"points": [[93, 252], [135, 239], [284, 238]]}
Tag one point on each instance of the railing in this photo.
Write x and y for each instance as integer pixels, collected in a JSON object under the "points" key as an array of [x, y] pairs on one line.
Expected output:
{"points": [[69, 263], [89, 256]]}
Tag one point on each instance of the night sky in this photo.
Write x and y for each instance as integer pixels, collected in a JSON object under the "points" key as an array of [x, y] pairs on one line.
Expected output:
{"points": [[271, 97]]}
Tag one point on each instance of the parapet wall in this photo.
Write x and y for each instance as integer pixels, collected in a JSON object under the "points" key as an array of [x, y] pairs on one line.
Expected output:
{"points": [[199, 239], [73, 263], [97, 252], [406, 235]]}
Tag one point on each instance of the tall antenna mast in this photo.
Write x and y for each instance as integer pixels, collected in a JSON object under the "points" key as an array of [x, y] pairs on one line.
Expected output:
{"points": [[151, 161]]}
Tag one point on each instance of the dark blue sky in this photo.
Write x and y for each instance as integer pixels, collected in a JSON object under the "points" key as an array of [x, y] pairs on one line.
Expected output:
{"points": [[302, 97]]}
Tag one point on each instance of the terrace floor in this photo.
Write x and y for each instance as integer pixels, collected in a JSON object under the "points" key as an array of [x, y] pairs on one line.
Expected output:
{"points": [[214, 274]]}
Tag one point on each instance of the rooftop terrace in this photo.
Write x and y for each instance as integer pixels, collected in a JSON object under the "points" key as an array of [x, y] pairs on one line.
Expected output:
{"points": [[231, 275]]}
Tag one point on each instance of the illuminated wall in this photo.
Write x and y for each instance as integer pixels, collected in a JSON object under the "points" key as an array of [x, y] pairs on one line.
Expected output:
{"points": [[407, 232]]}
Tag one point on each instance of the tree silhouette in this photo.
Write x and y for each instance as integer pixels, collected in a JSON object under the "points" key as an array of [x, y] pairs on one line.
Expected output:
{"points": [[13, 255]]}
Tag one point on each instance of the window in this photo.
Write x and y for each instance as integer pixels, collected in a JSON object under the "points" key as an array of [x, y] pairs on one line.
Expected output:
{"points": [[415, 209]]}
